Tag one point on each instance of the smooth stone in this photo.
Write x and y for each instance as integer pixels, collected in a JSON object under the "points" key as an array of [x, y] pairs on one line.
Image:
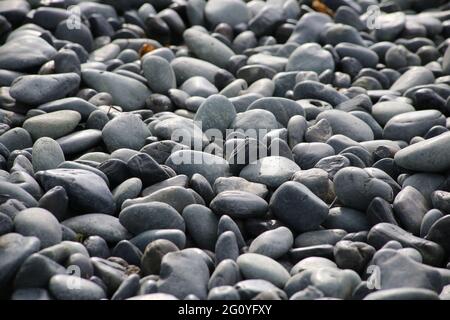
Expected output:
{"points": [[15, 249], [86, 290], [273, 244], [348, 219], [183, 130], [146, 168], [409, 209], [201, 224], [271, 171], [309, 27], [207, 48], [255, 123], [139, 218], [356, 188], [186, 68], [315, 90], [319, 237], [177, 197], [27, 52], [47, 154], [249, 289], [306, 155], [53, 125], [407, 125], [176, 236], [353, 255], [321, 131], [415, 76], [239, 184], [97, 247], [228, 224], [338, 33], [226, 247], [344, 123], [310, 57], [183, 273], [10, 190], [128, 189], [413, 274], [81, 34], [430, 155], [223, 293], [438, 232], [365, 56], [379, 210], [257, 266], [83, 107], [135, 129], [36, 271], [264, 22], [428, 220], [128, 252], [189, 162], [403, 294], [128, 93], [128, 288], [295, 205], [153, 255], [386, 110], [231, 12], [216, 112], [382, 233], [440, 200], [87, 191], [177, 181], [31, 294], [96, 224], [391, 25], [34, 90], [198, 86], [318, 182], [312, 263], [79, 141], [62, 251], [161, 150], [283, 109], [226, 273], [239, 204], [159, 74], [333, 164]]}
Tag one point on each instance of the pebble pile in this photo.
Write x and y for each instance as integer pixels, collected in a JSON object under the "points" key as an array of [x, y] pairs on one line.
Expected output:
{"points": [[126, 153]]}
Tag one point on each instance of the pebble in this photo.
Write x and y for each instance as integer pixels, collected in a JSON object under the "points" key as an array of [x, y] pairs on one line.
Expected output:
{"points": [[52, 125], [47, 154], [112, 133], [87, 192], [34, 90], [426, 156], [289, 198], [128, 93], [239, 204], [87, 290], [150, 216], [153, 255], [310, 57], [274, 243], [257, 266], [96, 224], [159, 73]]}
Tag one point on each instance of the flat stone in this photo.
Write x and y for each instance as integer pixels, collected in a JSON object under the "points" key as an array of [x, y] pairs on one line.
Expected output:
{"points": [[416, 76], [53, 125], [34, 90], [257, 266], [216, 113], [273, 244], [239, 204], [96, 224], [128, 93], [149, 216], [232, 12]]}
